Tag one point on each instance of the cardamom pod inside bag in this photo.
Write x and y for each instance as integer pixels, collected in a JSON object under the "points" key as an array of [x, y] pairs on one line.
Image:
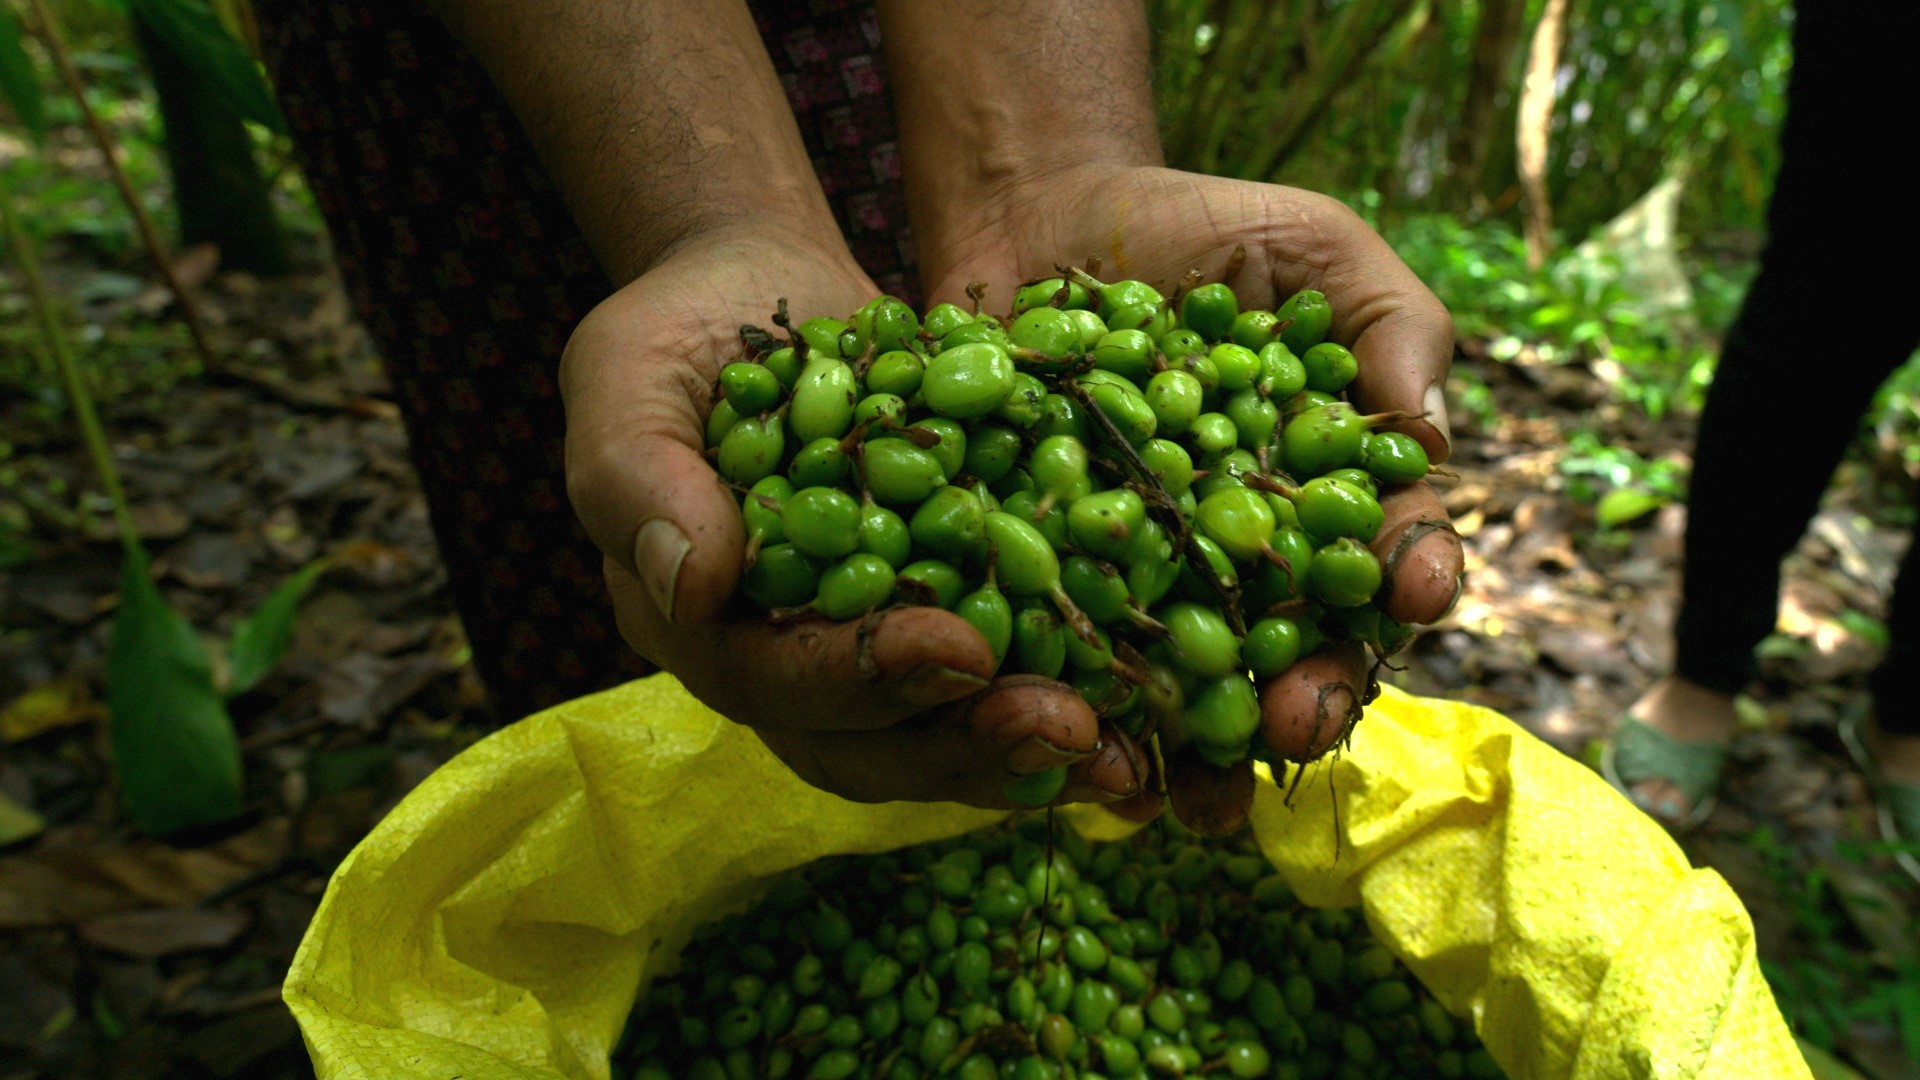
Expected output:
{"points": [[498, 923]]}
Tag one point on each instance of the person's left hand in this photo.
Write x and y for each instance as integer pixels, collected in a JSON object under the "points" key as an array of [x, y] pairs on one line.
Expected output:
{"points": [[1156, 224]]}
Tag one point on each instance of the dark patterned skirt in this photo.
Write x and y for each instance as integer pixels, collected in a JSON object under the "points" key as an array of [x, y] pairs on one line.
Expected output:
{"points": [[470, 275]]}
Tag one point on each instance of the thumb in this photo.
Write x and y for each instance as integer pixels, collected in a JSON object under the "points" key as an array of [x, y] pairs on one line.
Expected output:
{"points": [[1403, 359], [636, 382], [1401, 334]]}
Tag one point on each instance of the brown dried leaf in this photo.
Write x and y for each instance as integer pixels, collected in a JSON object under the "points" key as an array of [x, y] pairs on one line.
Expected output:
{"points": [[1580, 650], [383, 565], [154, 520], [159, 932], [17, 822], [207, 561], [55, 705], [364, 688], [52, 885]]}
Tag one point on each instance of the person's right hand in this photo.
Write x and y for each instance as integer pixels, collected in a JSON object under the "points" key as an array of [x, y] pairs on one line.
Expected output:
{"points": [[1155, 224], [899, 707]]}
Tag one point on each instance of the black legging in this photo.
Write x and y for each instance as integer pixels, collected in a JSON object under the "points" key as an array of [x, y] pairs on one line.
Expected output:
{"points": [[1834, 310]]}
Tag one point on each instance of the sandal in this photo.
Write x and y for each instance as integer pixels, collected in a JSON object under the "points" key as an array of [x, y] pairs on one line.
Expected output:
{"points": [[1639, 752], [1896, 805]]}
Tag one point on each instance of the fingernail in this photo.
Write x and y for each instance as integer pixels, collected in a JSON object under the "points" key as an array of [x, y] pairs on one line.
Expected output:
{"points": [[931, 684], [658, 552], [1436, 407], [1034, 754], [1331, 719], [1118, 771], [1459, 586]]}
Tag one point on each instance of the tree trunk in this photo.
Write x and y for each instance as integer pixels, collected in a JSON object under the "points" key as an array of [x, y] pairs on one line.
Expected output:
{"points": [[1340, 52], [1533, 127], [218, 189], [1496, 37]]}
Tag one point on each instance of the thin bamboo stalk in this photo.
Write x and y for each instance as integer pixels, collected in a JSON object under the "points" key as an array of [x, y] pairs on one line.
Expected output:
{"points": [[55, 336], [76, 85]]}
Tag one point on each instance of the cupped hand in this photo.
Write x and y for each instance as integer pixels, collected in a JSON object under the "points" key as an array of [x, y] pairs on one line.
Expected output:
{"points": [[902, 705], [1155, 225]]}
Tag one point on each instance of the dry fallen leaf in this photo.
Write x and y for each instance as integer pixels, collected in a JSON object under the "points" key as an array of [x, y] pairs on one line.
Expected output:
{"points": [[161, 932], [155, 519], [52, 886], [1580, 650], [17, 822], [55, 705]]}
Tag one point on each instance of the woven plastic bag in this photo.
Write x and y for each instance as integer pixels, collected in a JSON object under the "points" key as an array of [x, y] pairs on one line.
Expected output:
{"points": [[498, 923]]}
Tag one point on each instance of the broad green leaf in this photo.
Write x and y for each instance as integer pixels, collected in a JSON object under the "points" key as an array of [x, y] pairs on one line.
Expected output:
{"points": [[1621, 505], [174, 747], [17, 822], [192, 30], [19, 82], [260, 639]]}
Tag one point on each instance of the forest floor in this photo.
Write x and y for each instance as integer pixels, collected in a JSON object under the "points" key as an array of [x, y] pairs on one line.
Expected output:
{"points": [[126, 957]]}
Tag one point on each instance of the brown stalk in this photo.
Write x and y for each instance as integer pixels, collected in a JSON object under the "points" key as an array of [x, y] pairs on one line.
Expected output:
{"points": [[156, 248]]}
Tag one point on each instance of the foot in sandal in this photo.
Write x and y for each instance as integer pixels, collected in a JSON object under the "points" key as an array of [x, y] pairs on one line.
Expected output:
{"points": [[1670, 749]]}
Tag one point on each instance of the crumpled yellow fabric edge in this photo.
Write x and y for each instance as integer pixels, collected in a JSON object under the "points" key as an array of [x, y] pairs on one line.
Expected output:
{"points": [[497, 923], [1529, 895]]}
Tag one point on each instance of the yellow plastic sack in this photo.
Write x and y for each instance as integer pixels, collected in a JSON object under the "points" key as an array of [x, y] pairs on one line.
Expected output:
{"points": [[497, 924]]}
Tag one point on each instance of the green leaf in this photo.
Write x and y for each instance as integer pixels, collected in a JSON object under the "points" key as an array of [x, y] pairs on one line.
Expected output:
{"points": [[1860, 624], [1906, 1011], [17, 822], [104, 1018], [19, 82], [14, 550], [260, 639], [174, 748], [1621, 505], [194, 31]]}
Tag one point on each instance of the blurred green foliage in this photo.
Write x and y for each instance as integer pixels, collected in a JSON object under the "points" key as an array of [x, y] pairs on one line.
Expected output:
{"points": [[1852, 959], [1408, 109], [1417, 100], [95, 258], [1576, 307]]}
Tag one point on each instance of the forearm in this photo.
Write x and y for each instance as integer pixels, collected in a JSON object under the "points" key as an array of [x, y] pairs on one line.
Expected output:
{"points": [[659, 121], [993, 96]]}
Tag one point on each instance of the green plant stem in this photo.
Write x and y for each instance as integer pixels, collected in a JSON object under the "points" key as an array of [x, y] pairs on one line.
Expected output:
{"points": [[76, 86], [55, 336]]}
